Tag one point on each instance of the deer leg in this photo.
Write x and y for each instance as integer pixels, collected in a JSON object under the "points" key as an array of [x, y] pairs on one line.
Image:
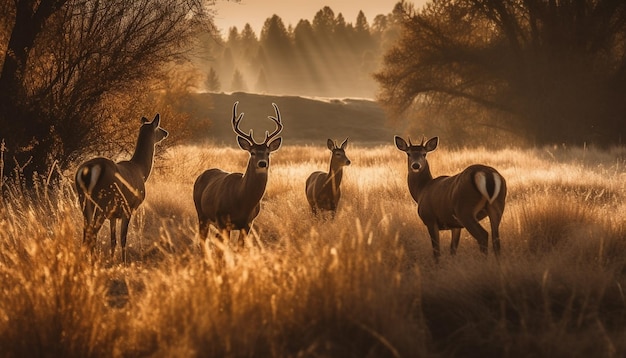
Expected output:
{"points": [[223, 236], [88, 237], [123, 234], [90, 232], [454, 243], [203, 228], [433, 231], [333, 209], [478, 232], [495, 216], [218, 244], [243, 234], [113, 227], [86, 232]]}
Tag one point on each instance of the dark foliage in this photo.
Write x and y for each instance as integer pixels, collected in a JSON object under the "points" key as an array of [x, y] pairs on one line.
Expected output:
{"points": [[73, 69], [553, 70]]}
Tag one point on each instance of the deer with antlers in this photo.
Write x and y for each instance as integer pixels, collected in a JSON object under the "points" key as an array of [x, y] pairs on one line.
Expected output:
{"points": [[231, 201], [109, 190], [455, 202], [323, 189]]}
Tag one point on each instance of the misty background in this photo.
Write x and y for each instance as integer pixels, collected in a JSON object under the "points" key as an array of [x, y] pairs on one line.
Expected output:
{"points": [[77, 75], [326, 56]]}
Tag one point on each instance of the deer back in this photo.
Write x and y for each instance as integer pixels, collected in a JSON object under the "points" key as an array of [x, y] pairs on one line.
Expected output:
{"points": [[446, 197], [113, 188], [119, 188], [133, 182], [319, 191]]}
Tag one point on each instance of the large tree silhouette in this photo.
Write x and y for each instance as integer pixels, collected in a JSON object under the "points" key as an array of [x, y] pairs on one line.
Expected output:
{"points": [[554, 69], [67, 60]]}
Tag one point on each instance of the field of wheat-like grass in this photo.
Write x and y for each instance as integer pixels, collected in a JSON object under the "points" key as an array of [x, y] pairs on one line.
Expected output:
{"points": [[362, 285]]}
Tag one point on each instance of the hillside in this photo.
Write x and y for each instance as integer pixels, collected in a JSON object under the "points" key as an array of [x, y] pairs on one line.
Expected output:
{"points": [[306, 120]]}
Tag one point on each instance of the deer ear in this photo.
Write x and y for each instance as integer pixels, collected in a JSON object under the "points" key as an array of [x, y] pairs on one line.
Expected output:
{"points": [[344, 145], [244, 144], [330, 144], [161, 134], [144, 120], [275, 144], [401, 144], [156, 120], [431, 144]]}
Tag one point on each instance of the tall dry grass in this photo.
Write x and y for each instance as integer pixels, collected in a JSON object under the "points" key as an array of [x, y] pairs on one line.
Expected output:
{"points": [[363, 284]]}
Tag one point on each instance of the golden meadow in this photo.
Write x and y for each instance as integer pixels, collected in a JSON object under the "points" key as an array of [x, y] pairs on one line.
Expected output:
{"points": [[362, 285]]}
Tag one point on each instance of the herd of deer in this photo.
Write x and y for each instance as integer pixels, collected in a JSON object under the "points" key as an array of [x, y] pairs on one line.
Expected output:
{"points": [[231, 201]]}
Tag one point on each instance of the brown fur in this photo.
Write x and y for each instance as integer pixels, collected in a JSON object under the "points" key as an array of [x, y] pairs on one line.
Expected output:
{"points": [[109, 190], [454, 202], [323, 190], [231, 201]]}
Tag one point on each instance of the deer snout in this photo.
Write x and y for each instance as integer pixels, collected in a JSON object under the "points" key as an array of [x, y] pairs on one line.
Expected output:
{"points": [[415, 166], [348, 162], [262, 164]]}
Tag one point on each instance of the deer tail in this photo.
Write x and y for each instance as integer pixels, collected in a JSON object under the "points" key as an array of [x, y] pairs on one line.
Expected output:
{"points": [[488, 184], [87, 177]]}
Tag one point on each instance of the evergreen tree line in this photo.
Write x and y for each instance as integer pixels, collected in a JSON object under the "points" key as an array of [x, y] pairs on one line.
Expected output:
{"points": [[326, 56]]}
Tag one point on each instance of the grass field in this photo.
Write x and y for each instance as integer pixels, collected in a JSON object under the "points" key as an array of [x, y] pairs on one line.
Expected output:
{"points": [[362, 285]]}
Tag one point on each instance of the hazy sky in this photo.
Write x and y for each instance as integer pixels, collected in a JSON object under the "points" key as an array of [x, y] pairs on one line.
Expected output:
{"points": [[255, 12]]}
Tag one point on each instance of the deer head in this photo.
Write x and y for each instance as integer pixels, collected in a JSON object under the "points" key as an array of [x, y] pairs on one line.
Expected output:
{"points": [[338, 159], [259, 152], [417, 153], [152, 128]]}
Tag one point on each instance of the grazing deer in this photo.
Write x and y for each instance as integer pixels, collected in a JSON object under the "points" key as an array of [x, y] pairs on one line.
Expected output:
{"points": [[455, 202], [231, 201], [109, 190], [322, 189]]}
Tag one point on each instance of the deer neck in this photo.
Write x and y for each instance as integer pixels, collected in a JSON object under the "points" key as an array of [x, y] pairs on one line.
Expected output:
{"points": [[418, 181], [143, 157], [333, 178], [253, 185]]}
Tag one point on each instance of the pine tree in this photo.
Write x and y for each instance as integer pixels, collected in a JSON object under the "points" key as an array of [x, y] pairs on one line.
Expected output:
{"points": [[261, 83], [238, 84], [212, 81]]}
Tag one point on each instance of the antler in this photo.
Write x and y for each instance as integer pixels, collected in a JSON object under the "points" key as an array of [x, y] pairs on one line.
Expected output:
{"points": [[236, 121], [279, 125]]}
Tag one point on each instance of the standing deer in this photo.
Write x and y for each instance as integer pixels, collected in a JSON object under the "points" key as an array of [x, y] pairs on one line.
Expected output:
{"points": [[231, 201], [455, 202], [322, 189], [109, 190]]}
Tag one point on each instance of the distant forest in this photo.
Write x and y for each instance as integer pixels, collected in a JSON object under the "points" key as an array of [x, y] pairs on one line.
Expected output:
{"points": [[326, 56], [77, 75]]}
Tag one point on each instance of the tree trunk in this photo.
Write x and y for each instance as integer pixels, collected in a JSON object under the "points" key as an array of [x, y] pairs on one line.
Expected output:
{"points": [[20, 127]]}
